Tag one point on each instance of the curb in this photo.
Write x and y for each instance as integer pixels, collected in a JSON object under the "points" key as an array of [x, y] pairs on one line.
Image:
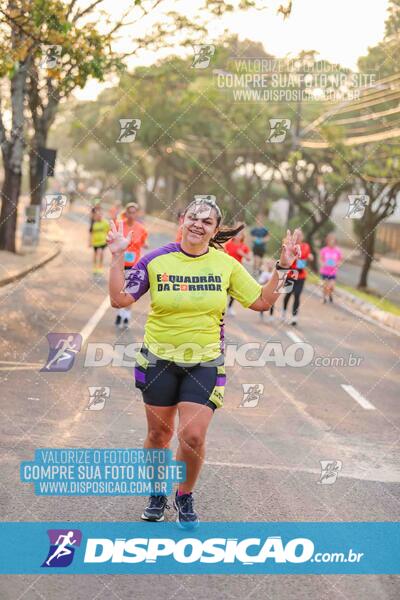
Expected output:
{"points": [[32, 268], [364, 309]]}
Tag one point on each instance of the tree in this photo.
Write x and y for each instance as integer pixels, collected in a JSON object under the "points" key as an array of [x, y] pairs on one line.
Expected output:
{"points": [[16, 47], [85, 52], [379, 179]]}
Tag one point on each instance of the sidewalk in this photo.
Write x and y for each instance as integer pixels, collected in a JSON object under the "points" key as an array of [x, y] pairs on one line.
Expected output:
{"points": [[28, 259], [385, 263]]}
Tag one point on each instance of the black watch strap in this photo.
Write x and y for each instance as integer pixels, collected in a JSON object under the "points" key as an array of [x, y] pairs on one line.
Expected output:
{"points": [[279, 268]]}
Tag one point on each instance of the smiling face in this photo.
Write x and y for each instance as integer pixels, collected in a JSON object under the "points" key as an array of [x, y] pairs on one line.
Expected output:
{"points": [[200, 224]]}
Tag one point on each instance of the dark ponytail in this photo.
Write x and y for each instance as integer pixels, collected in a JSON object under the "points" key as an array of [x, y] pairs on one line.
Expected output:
{"points": [[225, 234]]}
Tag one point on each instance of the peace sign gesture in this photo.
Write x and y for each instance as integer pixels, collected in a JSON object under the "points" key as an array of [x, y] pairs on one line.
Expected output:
{"points": [[116, 240], [290, 248]]}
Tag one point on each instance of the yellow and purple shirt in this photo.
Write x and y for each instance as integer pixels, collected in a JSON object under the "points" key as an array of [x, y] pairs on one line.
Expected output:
{"points": [[188, 300]]}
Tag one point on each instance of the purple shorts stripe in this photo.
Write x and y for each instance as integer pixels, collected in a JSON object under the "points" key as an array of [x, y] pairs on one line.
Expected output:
{"points": [[221, 380], [140, 376]]}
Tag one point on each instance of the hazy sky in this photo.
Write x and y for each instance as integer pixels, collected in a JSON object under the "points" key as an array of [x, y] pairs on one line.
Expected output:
{"points": [[340, 30]]}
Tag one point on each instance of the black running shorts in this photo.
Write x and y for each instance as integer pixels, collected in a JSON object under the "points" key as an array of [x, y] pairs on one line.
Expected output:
{"points": [[96, 248], [165, 383], [259, 249]]}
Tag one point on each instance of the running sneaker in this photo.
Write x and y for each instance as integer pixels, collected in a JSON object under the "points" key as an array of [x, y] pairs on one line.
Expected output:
{"points": [[187, 517], [231, 312], [293, 320], [118, 320], [126, 322], [155, 508]]}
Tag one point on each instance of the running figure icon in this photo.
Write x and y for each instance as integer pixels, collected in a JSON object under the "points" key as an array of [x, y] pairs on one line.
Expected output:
{"points": [[62, 350], [62, 549], [63, 545]]}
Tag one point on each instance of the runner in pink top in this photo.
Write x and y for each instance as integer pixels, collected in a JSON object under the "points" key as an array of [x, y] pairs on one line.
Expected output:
{"points": [[331, 257]]}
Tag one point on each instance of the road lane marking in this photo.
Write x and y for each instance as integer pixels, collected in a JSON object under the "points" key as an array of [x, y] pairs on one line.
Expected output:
{"points": [[358, 397], [295, 338], [95, 319], [20, 363], [86, 332]]}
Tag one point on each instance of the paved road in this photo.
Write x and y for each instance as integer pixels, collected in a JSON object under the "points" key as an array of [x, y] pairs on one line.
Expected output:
{"points": [[262, 462], [379, 279]]}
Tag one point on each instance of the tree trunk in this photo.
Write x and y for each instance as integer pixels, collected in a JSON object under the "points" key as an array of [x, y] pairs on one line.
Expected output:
{"points": [[35, 181], [368, 248], [13, 153], [290, 212], [9, 203]]}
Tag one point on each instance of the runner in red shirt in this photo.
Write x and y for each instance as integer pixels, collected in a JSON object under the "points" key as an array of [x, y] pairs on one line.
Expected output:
{"points": [[236, 248], [297, 277], [132, 253]]}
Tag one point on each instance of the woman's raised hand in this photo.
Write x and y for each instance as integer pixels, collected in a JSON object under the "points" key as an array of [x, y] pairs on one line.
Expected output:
{"points": [[290, 248], [116, 240]]}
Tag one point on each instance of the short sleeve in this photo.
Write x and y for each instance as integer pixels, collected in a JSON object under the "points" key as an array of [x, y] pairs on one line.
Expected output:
{"points": [[242, 286], [137, 280]]}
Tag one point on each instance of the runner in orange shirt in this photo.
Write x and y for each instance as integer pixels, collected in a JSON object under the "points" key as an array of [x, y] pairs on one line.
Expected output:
{"points": [[178, 237], [132, 253]]}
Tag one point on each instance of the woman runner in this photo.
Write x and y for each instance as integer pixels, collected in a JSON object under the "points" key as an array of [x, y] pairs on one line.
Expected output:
{"points": [[299, 267], [331, 258], [98, 238], [180, 366], [138, 240]]}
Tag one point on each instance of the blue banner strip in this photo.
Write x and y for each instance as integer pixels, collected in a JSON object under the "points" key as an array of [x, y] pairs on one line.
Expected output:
{"points": [[213, 548]]}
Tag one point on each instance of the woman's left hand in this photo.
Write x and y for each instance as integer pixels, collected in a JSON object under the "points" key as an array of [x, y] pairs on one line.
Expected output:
{"points": [[290, 248]]}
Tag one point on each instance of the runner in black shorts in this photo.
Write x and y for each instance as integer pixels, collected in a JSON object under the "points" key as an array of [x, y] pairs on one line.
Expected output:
{"points": [[260, 235], [180, 367]]}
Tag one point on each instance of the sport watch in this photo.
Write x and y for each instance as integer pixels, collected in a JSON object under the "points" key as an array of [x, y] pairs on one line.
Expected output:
{"points": [[279, 268]]}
